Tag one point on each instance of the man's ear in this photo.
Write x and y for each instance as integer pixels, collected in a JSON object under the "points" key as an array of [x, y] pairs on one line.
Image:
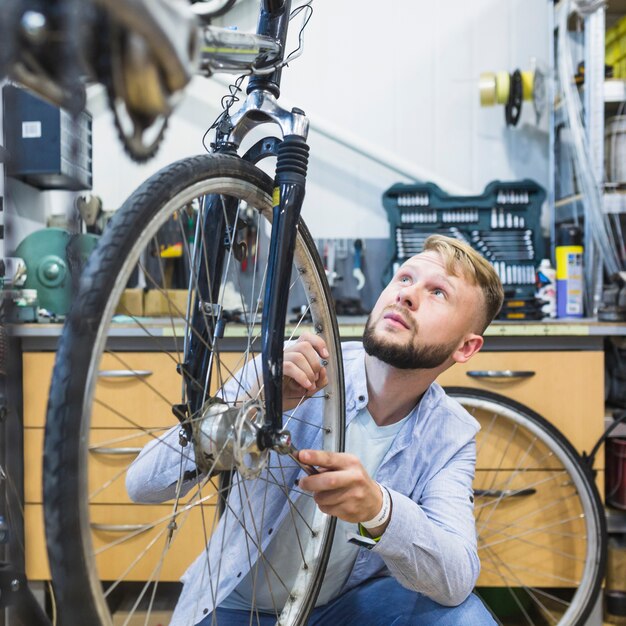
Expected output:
{"points": [[470, 346]]}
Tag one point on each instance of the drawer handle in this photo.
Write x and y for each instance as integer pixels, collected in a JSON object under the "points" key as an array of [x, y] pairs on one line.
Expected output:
{"points": [[504, 493], [124, 373], [116, 451], [121, 528], [506, 375]]}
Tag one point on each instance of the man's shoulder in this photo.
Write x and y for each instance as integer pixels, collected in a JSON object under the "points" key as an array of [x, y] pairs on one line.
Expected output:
{"points": [[454, 408]]}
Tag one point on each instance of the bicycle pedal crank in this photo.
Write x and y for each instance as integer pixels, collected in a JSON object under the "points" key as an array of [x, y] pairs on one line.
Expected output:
{"points": [[225, 438]]}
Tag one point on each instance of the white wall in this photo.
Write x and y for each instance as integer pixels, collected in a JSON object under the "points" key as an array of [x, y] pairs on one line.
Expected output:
{"points": [[402, 77]]}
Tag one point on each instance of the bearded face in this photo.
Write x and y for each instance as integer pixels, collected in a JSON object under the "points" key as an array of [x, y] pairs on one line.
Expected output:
{"points": [[405, 351]]}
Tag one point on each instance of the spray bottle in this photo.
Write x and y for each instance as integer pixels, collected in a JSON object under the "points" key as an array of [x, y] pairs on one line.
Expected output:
{"points": [[546, 287], [569, 271]]}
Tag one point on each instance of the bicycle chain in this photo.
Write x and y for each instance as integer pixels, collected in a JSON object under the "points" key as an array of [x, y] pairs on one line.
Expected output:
{"points": [[133, 144]]}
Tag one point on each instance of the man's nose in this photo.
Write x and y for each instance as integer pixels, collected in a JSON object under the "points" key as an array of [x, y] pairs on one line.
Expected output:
{"points": [[409, 297]]}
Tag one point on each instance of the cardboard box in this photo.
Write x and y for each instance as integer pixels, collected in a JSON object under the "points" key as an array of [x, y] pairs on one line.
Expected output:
{"points": [[156, 304], [157, 618], [616, 565], [131, 303]]}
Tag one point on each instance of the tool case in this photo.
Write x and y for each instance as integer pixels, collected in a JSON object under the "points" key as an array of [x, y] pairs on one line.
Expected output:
{"points": [[503, 224]]}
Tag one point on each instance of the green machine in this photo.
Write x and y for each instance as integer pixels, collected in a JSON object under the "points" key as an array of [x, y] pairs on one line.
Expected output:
{"points": [[54, 259]]}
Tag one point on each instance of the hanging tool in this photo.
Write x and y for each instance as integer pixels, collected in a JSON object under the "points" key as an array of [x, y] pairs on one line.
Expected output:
{"points": [[329, 262], [90, 208], [357, 272]]}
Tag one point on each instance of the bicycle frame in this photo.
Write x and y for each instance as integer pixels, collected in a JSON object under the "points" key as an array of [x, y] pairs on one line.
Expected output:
{"points": [[260, 107]]}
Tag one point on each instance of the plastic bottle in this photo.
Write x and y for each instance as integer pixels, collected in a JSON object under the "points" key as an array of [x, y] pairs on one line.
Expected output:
{"points": [[569, 271], [546, 287]]}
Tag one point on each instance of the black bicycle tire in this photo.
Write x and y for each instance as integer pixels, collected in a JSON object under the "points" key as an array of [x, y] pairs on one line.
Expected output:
{"points": [[584, 472], [67, 554]]}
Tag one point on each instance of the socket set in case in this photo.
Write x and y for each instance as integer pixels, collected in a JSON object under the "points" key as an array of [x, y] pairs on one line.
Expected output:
{"points": [[503, 224]]}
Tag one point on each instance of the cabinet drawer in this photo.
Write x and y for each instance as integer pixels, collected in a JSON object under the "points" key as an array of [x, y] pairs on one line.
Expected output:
{"points": [[566, 388], [121, 531], [111, 451], [133, 388]]}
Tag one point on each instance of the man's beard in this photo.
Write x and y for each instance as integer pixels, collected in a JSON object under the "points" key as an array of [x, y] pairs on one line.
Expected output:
{"points": [[405, 356]]}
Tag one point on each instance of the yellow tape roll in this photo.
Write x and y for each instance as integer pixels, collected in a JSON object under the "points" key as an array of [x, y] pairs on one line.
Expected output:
{"points": [[503, 87], [487, 87], [528, 84]]}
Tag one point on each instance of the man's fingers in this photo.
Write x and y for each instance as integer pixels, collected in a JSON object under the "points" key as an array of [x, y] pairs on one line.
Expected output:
{"points": [[317, 342], [330, 460], [322, 379], [303, 377], [307, 351], [326, 481], [332, 497]]}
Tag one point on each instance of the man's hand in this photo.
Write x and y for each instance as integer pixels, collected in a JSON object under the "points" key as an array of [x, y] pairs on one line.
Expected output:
{"points": [[343, 487], [304, 373]]}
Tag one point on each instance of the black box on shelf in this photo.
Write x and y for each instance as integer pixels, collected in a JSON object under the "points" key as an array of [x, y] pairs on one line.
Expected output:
{"points": [[47, 147], [502, 223]]}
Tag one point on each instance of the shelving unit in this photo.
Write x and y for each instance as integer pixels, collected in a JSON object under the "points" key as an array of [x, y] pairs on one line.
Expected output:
{"points": [[614, 98], [601, 99]]}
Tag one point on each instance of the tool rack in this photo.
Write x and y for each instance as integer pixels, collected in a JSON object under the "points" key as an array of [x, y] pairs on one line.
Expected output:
{"points": [[503, 224]]}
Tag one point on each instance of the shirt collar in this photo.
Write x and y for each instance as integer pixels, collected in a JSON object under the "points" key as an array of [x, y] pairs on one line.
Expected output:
{"points": [[356, 386]]}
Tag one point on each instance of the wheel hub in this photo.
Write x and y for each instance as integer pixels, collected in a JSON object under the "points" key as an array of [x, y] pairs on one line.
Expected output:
{"points": [[225, 438]]}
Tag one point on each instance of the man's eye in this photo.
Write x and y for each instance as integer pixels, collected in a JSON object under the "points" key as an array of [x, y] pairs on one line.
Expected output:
{"points": [[439, 293], [405, 280]]}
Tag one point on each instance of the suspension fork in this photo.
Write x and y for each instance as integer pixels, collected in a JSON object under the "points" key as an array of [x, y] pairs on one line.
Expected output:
{"points": [[291, 168]]}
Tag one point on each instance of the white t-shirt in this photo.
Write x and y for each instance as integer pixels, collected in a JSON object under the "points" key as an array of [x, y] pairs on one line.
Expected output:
{"points": [[369, 443]]}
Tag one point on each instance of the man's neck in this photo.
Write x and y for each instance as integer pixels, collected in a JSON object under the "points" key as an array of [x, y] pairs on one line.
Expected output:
{"points": [[392, 392]]}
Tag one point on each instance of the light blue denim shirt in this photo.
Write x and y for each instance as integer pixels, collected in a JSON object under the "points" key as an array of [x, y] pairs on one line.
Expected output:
{"points": [[429, 545]]}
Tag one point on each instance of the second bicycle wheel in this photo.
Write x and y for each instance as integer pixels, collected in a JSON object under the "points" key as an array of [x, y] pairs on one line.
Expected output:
{"points": [[208, 494], [539, 519]]}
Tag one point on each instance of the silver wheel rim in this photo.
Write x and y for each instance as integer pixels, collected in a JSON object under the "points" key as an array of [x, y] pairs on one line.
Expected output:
{"points": [[294, 613], [545, 606]]}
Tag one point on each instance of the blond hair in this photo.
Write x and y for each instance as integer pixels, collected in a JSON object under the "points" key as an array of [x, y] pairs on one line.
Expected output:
{"points": [[460, 257]]}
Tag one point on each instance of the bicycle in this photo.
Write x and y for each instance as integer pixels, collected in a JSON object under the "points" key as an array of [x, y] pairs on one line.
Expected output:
{"points": [[226, 216], [212, 200]]}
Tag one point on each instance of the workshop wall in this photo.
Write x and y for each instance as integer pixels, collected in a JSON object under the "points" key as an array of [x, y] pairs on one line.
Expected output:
{"points": [[402, 80], [400, 77]]}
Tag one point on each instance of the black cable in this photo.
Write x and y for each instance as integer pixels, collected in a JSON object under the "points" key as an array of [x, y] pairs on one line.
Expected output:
{"points": [[226, 102], [513, 107], [589, 458], [304, 25], [225, 8]]}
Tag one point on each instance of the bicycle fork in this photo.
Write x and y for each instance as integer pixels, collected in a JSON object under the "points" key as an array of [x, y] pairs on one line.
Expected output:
{"points": [[291, 169]]}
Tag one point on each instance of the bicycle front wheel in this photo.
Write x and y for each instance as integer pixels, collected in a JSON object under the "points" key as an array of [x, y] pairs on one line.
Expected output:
{"points": [[539, 519], [210, 496]]}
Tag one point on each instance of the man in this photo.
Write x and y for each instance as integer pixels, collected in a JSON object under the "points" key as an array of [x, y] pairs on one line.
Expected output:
{"points": [[419, 444]]}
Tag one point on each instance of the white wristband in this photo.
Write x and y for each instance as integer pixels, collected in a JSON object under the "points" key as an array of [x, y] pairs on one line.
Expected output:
{"points": [[383, 514]]}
